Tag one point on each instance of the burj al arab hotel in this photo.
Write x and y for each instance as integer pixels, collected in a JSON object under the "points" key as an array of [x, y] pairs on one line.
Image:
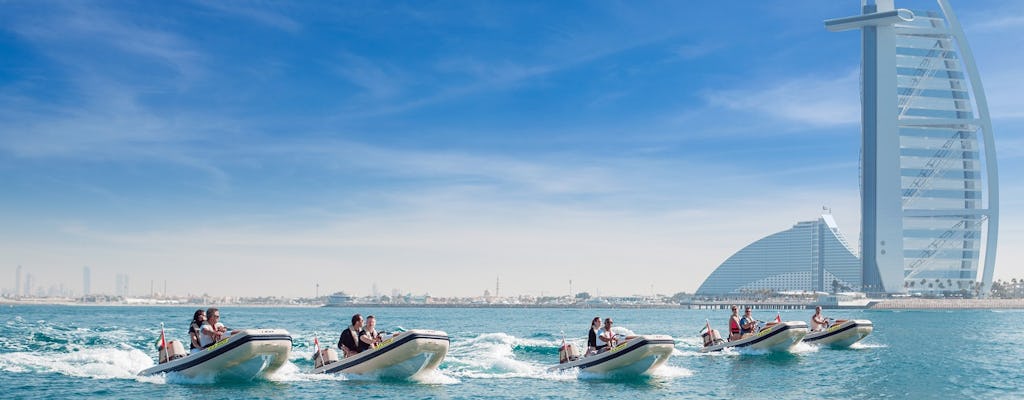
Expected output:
{"points": [[929, 185]]}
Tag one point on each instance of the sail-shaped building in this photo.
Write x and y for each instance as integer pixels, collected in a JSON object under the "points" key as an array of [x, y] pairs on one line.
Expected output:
{"points": [[812, 256], [929, 185]]}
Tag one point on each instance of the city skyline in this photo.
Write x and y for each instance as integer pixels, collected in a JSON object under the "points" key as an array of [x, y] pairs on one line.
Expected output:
{"points": [[432, 149]]}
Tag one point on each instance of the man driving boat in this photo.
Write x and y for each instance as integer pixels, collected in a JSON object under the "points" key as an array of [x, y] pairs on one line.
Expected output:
{"points": [[748, 324], [818, 321]]}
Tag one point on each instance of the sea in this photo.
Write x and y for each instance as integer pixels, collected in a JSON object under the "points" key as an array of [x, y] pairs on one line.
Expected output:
{"points": [[51, 351]]}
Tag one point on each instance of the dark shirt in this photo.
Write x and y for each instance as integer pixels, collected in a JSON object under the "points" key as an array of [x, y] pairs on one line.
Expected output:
{"points": [[349, 339], [744, 321], [592, 339], [363, 346], [193, 329]]}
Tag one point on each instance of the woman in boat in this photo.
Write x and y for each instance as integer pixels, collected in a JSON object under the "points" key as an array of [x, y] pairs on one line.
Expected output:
{"points": [[348, 343], [198, 318], [818, 321], [595, 325], [734, 324], [368, 336]]}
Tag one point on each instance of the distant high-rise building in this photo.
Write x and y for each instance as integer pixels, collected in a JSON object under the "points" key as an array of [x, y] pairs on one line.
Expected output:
{"points": [[121, 285], [86, 280], [929, 186], [28, 285], [810, 256], [17, 282]]}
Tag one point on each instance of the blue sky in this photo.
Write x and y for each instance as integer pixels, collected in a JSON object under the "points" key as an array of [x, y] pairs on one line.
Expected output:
{"points": [[257, 148]]}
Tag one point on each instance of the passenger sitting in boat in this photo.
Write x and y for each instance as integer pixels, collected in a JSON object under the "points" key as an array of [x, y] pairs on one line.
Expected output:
{"points": [[198, 318], [606, 339], [348, 343], [595, 325], [748, 324], [734, 324], [213, 331], [368, 336], [818, 321]]}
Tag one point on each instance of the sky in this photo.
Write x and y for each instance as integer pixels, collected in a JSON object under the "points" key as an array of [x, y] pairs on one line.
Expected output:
{"points": [[252, 148]]}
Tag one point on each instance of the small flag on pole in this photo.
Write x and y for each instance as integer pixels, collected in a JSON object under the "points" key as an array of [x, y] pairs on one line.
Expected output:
{"points": [[778, 317], [163, 341]]}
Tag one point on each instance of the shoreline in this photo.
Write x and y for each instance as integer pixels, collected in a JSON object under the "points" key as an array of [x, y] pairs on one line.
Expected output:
{"points": [[884, 304]]}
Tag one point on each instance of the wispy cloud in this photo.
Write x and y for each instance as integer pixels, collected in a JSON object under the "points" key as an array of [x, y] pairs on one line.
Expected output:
{"points": [[815, 101], [256, 12], [74, 32], [379, 80]]}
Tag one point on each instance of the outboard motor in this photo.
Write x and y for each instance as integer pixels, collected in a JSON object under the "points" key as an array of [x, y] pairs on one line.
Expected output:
{"points": [[711, 337], [568, 353], [325, 357], [173, 351]]}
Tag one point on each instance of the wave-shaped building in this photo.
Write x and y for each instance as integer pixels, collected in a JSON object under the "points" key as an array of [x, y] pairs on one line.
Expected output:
{"points": [[929, 183], [812, 256]]}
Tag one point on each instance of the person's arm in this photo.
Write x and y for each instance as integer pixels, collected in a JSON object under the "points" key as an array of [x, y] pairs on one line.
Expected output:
{"points": [[210, 332], [366, 338]]}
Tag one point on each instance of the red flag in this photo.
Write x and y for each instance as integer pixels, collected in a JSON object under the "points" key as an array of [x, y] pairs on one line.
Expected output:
{"points": [[778, 317], [163, 341]]}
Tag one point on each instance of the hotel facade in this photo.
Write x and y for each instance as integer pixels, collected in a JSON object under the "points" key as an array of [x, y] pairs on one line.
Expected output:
{"points": [[929, 183]]}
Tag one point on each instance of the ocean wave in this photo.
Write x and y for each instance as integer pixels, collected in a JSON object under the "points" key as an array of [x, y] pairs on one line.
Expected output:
{"points": [[97, 363]]}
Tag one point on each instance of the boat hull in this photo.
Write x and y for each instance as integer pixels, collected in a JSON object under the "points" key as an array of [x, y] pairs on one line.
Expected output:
{"points": [[403, 356], [780, 337], [249, 354], [636, 357], [842, 335]]}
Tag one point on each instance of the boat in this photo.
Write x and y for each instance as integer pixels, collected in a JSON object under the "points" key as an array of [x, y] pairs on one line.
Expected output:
{"points": [[248, 354], [779, 336], [842, 333], [339, 299], [635, 357], [401, 356]]}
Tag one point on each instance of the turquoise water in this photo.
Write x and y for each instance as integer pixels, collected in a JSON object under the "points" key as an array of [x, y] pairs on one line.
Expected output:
{"points": [[60, 351]]}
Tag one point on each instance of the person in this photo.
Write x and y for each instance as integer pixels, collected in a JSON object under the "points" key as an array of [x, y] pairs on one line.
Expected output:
{"points": [[348, 343], [198, 318], [818, 321], [748, 324], [734, 324], [605, 337], [213, 330], [368, 336], [595, 325]]}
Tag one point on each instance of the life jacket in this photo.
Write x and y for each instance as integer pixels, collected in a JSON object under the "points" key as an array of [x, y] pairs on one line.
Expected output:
{"points": [[734, 326]]}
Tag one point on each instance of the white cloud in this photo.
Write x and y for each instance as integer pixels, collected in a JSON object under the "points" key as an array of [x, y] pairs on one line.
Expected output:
{"points": [[256, 13], [815, 101]]}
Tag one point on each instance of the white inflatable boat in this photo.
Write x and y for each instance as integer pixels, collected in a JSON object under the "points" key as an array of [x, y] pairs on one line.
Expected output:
{"points": [[634, 357], [248, 354], [774, 337], [842, 333], [398, 357]]}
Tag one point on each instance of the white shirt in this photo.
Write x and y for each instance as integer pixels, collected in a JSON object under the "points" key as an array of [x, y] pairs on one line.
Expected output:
{"points": [[204, 338], [600, 338]]}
